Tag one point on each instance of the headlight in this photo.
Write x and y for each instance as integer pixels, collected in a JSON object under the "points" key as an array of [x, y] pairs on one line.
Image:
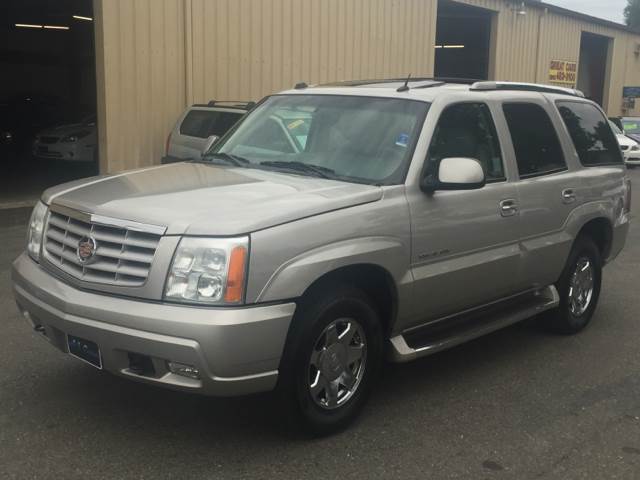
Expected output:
{"points": [[74, 137], [208, 270], [635, 148], [36, 227]]}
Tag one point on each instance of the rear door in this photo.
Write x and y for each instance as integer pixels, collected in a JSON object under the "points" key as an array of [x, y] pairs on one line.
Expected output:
{"points": [[548, 188], [465, 249]]}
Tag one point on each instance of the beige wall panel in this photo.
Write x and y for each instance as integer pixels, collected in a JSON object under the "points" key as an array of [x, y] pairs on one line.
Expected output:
{"points": [[154, 57], [287, 41], [140, 46], [526, 44]]}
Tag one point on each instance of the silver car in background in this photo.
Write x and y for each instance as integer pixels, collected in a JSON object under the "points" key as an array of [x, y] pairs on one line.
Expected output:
{"points": [[200, 126], [334, 227]]}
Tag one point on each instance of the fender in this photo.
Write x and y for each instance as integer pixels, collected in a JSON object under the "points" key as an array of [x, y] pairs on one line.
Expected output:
{"points": [[586, 212], [294, 277]]}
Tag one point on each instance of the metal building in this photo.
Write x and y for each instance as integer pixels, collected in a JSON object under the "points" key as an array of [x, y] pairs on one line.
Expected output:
{"points": [[154, 57]]}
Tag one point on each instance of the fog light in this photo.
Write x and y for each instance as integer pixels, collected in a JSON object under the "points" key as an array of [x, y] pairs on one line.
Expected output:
{"points": [[183, 370]]}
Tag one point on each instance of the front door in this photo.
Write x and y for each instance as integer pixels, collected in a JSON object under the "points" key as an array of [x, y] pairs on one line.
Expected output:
{"points": [[465, 244]]}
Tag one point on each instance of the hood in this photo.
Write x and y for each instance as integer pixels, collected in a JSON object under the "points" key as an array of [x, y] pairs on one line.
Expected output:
{"points": [[633, 136], [625, 140], [205, 199]]}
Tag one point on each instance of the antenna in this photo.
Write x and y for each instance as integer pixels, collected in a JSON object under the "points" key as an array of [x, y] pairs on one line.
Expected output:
{"points": [[405, 87]]}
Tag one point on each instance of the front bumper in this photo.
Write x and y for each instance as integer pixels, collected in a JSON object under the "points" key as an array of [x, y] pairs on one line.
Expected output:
{"points": [[236, 350], [631, 157], [70, 152]]}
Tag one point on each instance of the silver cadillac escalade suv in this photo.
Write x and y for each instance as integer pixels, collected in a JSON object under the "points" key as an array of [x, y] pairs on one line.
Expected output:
{"points": [[332, 227]]}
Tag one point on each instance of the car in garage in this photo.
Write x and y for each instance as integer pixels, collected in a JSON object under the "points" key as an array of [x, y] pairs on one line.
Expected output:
{"points": [[74, 142], [630, 148], [200, 126], [23, 115], [408, 218]]}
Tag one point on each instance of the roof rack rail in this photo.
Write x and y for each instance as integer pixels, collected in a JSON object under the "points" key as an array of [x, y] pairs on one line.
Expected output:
{"points": [[525, 87], [243, 104], [467, 81]]}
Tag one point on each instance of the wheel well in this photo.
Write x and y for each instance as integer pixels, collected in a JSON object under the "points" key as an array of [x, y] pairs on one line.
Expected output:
{"points": [[376, 282], [601, 232]]}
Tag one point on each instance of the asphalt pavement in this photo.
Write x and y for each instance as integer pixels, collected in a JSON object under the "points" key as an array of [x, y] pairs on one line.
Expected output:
{"points": [[518, 404]]}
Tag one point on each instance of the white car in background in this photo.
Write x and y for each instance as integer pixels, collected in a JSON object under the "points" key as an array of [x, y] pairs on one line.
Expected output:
{"points": [[200, 126], [75, 142], [630, 148]]}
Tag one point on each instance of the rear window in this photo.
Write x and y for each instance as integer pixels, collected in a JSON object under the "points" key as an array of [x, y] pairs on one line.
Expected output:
{"points": [[591, 133], [538, 150], [204, 123]]}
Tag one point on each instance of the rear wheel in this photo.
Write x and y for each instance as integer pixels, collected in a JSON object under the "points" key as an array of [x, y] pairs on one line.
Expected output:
{"points": [[332, 356], [579, 289]]}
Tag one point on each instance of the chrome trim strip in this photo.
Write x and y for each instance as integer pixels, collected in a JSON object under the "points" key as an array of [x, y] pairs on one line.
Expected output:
{"points": [[128, 224], [109, 221], [69, 212]]}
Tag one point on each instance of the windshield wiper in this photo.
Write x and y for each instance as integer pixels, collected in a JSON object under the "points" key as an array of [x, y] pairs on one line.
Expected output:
{"points": [[317, 170], [234, 160]]}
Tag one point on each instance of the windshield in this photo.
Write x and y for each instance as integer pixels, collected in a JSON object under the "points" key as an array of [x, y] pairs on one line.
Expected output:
{"points": [[615, 128], [350, 138], [631, 126]]}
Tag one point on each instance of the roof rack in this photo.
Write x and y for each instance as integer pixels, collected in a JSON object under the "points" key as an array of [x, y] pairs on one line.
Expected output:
{"points": [[525, 87], [227, 104]]}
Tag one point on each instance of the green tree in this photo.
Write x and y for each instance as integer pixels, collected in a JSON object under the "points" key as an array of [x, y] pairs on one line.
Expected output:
{"points": [[632, 13]]}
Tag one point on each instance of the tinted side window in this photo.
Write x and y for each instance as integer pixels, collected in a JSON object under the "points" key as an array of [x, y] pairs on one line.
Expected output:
{"points": [[467, 130], [203, 123], [591, 134], [535, 140]]}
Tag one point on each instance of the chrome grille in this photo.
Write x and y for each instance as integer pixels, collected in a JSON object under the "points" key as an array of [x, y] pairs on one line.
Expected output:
{"points": [[122, 257], [48, 140]]}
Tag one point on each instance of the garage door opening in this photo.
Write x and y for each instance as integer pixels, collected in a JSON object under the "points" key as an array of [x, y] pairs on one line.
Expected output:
{"points": [[463, 41], [594, 65], [48, 132]]}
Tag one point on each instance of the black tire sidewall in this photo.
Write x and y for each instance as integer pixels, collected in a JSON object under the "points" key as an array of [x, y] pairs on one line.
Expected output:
{"points": [[566, 321], [312, 317]]}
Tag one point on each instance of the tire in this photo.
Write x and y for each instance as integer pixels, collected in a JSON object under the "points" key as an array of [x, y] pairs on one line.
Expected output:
{"points": [[312, 397], [576, 305]]}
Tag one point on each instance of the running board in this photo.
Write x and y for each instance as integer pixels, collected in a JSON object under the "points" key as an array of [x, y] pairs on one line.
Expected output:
{"points": [[427, 341]]}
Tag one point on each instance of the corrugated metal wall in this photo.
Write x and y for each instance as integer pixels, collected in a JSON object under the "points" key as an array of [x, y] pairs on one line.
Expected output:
{"points": [[154, 57], [140, 62], [246, 49], [527, 44]]}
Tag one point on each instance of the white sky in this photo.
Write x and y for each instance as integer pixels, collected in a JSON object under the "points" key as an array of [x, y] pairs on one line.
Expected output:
{"points": [[609, 9]]}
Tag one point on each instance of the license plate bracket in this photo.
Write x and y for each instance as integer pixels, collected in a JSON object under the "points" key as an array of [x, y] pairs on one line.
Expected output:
{"points": [[85, 350]]}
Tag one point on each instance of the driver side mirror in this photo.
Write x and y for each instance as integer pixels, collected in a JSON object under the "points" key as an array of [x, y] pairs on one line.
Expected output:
{"points": [[210, 141], [455, 173]]}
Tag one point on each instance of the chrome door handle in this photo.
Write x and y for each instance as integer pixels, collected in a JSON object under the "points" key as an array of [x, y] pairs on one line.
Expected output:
{"points": [[568, 195], [508, 207]]}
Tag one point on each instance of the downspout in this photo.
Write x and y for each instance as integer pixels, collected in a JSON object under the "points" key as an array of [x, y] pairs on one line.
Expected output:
{"points": [[538, 42], [188, 53]]}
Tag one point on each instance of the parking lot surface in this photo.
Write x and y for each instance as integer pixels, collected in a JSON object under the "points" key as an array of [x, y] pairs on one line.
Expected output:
{"points": [[519, 403]]}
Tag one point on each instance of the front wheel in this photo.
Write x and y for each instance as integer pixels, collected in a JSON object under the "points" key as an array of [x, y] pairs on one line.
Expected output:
{"points": [[578, 287], [332, 356]]}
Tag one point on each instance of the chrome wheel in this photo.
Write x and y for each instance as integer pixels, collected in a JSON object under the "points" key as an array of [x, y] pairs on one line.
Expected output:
{"points": [[581, 285], [337, 363]]}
